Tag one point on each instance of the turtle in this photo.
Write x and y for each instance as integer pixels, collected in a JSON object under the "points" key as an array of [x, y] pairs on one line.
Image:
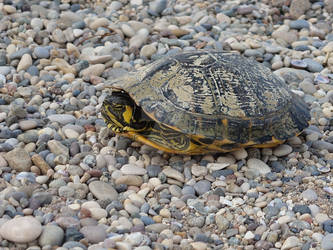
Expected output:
{"points": [[198, 102]]}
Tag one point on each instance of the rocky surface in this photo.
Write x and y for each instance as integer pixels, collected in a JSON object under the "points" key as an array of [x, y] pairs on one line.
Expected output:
{"points": [[67, 182]]}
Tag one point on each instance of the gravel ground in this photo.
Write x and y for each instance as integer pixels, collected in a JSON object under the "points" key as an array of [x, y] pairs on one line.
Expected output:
{"points": [[67, 182]]}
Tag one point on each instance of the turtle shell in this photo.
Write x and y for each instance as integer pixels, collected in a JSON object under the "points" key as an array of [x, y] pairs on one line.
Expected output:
{"points": [[217, 96]]}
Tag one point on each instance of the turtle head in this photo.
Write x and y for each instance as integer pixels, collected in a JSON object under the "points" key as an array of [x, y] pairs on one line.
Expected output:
{"points": [[122, 114], [118, 111]]}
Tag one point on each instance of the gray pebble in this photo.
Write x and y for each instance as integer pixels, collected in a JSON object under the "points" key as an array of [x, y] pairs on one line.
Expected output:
{"points": [[202, 187], [299, 24], [312, 65], [157, 6], [327, 242], [42, 52], [51, 235]]}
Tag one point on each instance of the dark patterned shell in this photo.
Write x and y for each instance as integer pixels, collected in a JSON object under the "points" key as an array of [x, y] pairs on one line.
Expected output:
{"points": [[217, 95]]}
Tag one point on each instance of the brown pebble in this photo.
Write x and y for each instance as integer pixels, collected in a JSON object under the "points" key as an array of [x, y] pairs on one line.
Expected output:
{"points": [[131, 180], [84, 213], [95, 172], [86, 176], [40, 163], [36, 170]]}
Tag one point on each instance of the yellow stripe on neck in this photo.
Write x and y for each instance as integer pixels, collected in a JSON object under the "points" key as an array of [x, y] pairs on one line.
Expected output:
{"points": [[127, 115]]}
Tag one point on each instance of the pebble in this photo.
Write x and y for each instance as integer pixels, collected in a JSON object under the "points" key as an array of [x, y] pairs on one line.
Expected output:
{"points": [[103, 191], [202, 187], [130, 169], [42, 52], [91, 189], [25, 62], [157, 6], [299, 24], [148, 50], [312, 65], [19, 160], [94, 234], [258, 166], [51, 235], [327, 242], [291, 242], [309, 195], [57, 148], [282, 150], [172, 173], [62, 118], [21, 229]]}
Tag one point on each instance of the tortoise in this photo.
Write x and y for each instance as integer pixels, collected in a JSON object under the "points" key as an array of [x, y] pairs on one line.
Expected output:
{"points": [[200, 102]]}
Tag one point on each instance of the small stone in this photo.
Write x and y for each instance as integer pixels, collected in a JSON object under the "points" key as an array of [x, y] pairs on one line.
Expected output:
{"points": [[282, 150], [57, 148], [156, 228], [321, 79], [307, 86], [298, 64], [196, 221], [323, 145], [42, 52], [291, 242], [94, 234], [93, 70], [62, 65], [98, 213], [25, 62], [299, 24], [71, 133], [99, 22], [127, 30], [165, 213], [9, 9], [148, 50], [312, 65], [40, 163], [328, 226], [28, 124], [249, 235], [131, 169], [199, 170], [299, 7], [240, 154], [139, 39], [327, 242], [222, 223], [66, 192], [174, 174], [130, 180], [202, 186], [51, 235], [19, 160], [302, 209], [21, 229], [103, 190], [259, 166], [135, 239], [309, 195], [199, 245], [157, 6], [63, 119]]}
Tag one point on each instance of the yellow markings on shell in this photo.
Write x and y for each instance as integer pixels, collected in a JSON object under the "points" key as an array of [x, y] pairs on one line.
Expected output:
{"points": [[225, 123], [127, 115]]}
